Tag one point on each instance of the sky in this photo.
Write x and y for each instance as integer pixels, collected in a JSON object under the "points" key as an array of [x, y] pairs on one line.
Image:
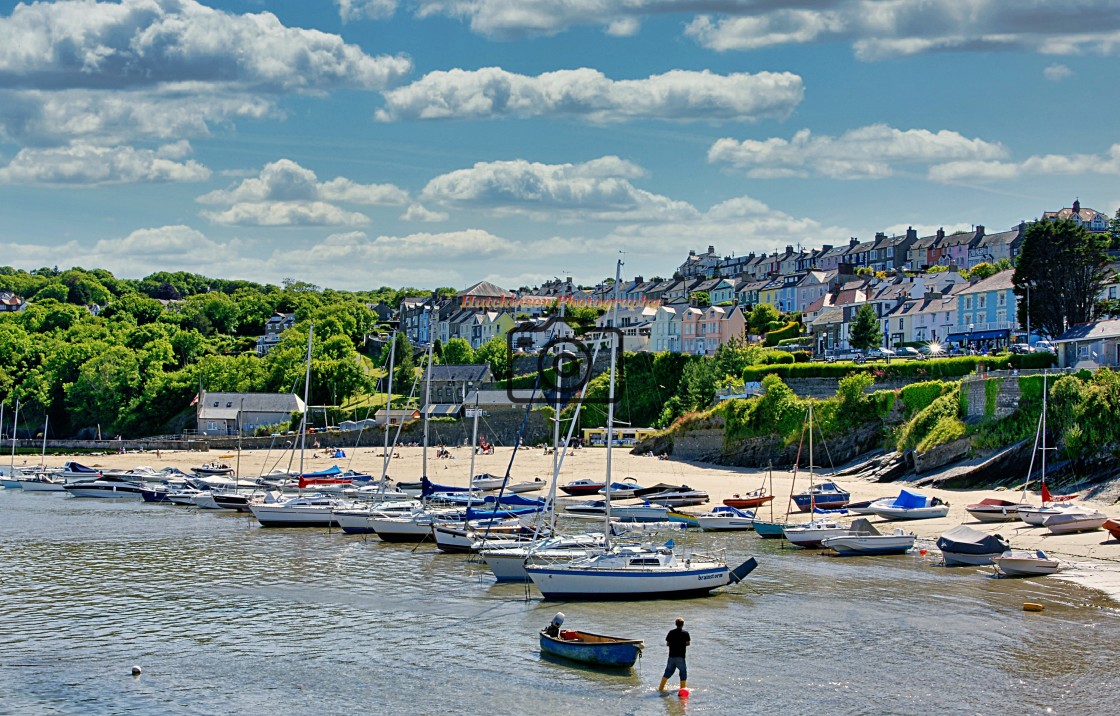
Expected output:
{"points": [[354, 144]]}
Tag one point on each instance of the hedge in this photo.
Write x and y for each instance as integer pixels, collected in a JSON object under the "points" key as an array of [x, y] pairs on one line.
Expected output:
{"points": [[935, 368], [917, 396], [790, 330]]}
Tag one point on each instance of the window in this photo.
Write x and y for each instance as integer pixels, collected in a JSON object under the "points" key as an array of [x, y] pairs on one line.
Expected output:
{"points": [[968, 302], [981, 301], [900, 324], [1001, 298], [229, 404]]}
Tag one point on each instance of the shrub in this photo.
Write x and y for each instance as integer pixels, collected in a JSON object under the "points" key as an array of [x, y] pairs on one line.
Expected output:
{"points": [[917, 396], [790, 330], [945, 430], [1032, 361], [991, 396], [922, 424]]}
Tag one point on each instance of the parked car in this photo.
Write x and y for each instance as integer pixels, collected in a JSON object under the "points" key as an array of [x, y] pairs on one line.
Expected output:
{"points": [[1019, 348], [880, 353], [1044, 347], [909, 352]]}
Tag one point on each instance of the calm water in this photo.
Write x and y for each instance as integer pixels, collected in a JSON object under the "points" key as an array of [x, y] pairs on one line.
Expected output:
{"points": [[226, 617]]}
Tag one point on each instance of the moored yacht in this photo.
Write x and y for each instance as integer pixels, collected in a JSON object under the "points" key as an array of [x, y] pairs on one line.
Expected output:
{"points": [[105, 487]]}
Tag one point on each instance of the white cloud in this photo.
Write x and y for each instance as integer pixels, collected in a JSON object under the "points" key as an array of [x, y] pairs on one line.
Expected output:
{"points": [[142, 43], [81, 164], [876, 29], [868, 152], [598, 190], [287, 194], [418, 212], [1057, 72], [676, 95], [1043, 165], [156, 69], [365, 9]]}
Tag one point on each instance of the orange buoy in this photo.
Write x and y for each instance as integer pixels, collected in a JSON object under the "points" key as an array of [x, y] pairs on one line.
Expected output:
{"points": [[923, 551], [1032, 607]]}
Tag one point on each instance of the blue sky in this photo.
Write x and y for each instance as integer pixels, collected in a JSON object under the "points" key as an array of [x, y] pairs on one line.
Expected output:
{"points": [[359, 143]]}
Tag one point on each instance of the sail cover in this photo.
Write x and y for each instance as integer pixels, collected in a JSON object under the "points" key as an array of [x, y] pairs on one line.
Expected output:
{"points": [[966, 540]]}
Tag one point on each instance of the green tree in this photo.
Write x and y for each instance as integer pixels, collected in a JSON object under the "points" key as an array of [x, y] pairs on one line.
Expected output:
{"points": [[761, 317], [865, 332], [496, 353], [702, 298], [1063, 268], [458, 352], [982, 271]]}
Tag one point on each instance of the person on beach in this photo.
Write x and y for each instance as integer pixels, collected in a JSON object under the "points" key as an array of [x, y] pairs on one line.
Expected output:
{"points": [[678, 641]]}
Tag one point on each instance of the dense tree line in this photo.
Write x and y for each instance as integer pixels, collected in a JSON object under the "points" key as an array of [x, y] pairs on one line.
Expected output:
{"points": [[119, 356]]}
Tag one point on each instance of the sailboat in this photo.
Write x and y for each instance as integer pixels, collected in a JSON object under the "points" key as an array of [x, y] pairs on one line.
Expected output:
{"points": [[314, 510], [770, 529], [1051, 504], [632, 572], [811, 534]]}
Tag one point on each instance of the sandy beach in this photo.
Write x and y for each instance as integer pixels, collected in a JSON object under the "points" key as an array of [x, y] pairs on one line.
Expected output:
{"points": [[1092, 558]]}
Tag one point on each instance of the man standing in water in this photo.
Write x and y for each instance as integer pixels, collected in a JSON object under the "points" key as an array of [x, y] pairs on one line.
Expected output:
{"points": [[678, 641]]}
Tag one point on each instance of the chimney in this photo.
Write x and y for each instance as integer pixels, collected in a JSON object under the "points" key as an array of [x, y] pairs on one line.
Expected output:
{"points": [[940, 234], [879, 236], [912, 234], [853, 242], [1076, 206], [789, 249], [639, 279], [691, 252], [711, 249], [930, 294], [825, 248], [979, 230]]}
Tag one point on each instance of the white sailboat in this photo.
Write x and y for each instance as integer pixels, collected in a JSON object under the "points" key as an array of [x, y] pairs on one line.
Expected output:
{"points": [[314, 510], [627, 572], [812, 534], [1036, 515]]}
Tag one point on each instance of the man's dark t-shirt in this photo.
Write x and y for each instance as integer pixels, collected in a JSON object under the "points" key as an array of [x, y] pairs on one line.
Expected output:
{"points": [[678, 640]]}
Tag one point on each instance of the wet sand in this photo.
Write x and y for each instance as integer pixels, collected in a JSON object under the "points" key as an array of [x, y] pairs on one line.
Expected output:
{"points": [[1093, 557]]}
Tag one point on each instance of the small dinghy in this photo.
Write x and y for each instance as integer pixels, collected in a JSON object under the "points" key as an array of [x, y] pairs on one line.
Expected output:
{"points": [[910, 506], [1113, 527], [588, 648], [1025, 563], [752, 499], [993, 510], [1072, 521], [865, 539], [725, 517], [965, 546]]}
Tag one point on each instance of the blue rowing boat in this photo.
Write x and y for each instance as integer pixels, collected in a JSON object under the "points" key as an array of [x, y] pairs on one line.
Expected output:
{"points": [[594, 649]]}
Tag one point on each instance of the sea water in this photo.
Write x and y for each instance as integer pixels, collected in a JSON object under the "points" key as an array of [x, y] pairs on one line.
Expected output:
{"points": [[227, 617]]}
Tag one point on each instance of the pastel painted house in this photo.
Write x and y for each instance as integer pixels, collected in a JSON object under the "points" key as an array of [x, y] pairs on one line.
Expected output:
{"points": [[703, 330], [665, 329], [986, 311]]}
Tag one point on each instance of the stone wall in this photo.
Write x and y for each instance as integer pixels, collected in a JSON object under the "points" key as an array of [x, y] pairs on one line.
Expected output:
{"points": [[826, 387], [1007, 401]]}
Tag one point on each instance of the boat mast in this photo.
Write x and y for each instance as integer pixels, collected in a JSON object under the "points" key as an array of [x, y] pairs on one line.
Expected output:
{"points": [[15, 428], [474, 443], [1042, 437], [427, 407], [237, 470], [43, 459], [388, 408], [306, 394], [812, 495], [610, 404], [556, 436]]}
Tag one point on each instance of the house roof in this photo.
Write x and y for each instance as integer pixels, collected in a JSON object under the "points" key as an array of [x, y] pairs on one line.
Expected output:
{"points": [[1091, 331], [228, 405], [998, 282], [484, 288], [459, 373], [829, 315]]}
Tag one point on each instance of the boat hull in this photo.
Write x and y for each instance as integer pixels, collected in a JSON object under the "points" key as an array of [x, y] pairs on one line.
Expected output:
{"points": [[277, 516], [570, 584], [769, 530], [593, 649], [1066, 524], [747, 502], [864, 545], [908, 513], [1026, 564], [725, 524], [994, 514], [961, 559]]}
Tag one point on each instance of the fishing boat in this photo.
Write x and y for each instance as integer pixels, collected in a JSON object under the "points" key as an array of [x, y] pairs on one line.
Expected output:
{"points": [[1025, 563], [910, 506], [594, 649], [725, 518], [967, 546], [864, 539], [757, 498], [632, 571], [993, 510], [825, 496], [1068, 522]]}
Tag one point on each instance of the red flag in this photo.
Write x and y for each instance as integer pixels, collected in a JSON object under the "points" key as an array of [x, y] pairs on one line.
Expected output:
{"points": [[1045, 492], [194, 401]]}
